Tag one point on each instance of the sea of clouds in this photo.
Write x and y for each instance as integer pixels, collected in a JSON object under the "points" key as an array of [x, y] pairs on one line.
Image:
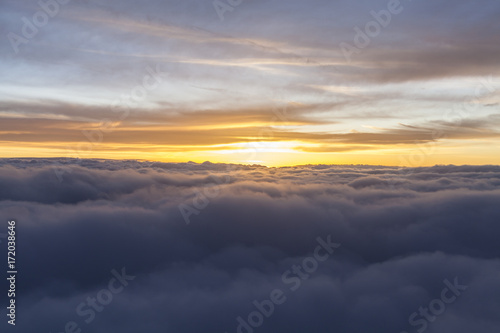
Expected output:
{"points": [[202, 248]]}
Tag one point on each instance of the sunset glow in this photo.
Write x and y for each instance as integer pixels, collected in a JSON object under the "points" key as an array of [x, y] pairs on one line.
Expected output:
{"points": [[250, 166], [188, 86]]}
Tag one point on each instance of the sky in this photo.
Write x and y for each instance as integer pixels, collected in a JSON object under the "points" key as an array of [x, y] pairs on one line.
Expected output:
{"points": [[348, 249], [259, 166], [276, 83]]}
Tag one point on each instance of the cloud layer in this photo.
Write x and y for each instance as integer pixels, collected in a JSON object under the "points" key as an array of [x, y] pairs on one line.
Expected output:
{"points": [[402, 232]]}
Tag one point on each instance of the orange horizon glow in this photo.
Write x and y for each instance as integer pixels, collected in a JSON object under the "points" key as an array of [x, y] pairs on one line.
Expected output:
{"points": [[170, 91], [270, 154]]}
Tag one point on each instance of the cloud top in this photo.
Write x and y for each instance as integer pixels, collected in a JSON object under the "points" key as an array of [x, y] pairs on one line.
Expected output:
{"points": [[402, 233]]}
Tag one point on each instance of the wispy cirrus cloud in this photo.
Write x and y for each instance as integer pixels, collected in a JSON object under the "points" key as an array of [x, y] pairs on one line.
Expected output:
{"points": [[224, 76]]}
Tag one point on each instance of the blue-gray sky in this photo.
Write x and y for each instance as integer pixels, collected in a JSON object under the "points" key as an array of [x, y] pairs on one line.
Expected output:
{"points": [[340, 96]]}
